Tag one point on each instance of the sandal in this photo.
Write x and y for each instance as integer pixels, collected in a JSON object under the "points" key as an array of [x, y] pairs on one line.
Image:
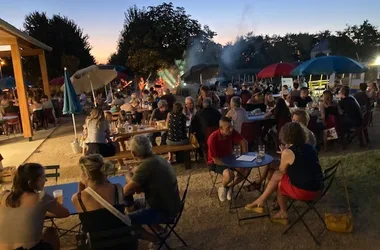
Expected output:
{"points": [[257, 209], [250, 188], [281, 220]]}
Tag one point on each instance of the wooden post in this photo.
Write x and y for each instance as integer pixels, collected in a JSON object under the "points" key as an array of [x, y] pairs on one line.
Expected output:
{"points": [[21, 91], [44, 73]]}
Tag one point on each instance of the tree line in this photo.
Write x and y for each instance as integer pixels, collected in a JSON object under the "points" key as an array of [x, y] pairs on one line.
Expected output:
{"points": [[156, 37]]}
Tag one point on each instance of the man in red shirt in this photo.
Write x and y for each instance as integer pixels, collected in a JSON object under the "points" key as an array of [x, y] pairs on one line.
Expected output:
{"points": [[220, 144]]}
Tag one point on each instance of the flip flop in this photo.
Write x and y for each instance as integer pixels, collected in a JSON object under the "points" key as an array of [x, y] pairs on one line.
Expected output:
{"points": [[282, 221], [258, 209]]}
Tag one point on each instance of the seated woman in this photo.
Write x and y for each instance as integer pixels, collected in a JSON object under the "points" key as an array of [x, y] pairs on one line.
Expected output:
{"points": [[176, 123], [329, 110], [237, 114], [93, 215], [299, 176], [36, 104], [281, 112], [98, 134], [23, 211], [269, 100]]}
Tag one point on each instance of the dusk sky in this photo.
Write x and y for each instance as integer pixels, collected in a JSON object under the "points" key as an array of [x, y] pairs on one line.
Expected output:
{"points": [[103, 20]]}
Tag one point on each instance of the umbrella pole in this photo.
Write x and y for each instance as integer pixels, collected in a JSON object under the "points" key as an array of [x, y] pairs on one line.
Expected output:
{"points": [[93, 93], [200, 78], [105, 89], [111, 90], [75, 127]]}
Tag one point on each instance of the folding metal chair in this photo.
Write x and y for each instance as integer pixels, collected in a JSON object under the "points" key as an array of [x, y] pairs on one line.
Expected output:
{"points": [[329, 176], [170, 226]]}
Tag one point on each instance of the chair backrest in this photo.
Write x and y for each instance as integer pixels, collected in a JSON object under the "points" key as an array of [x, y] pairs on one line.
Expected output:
{"points": [[328, 178], [245, 98], [183, 200], [281, 122], [312, 126], [210, 130], [48, 112], [38, 115], [251, 131], [117, 238], [52, 171]]}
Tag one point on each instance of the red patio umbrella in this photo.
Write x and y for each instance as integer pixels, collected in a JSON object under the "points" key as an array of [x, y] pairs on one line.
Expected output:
{"points": [[58, 81], [277, 69]]}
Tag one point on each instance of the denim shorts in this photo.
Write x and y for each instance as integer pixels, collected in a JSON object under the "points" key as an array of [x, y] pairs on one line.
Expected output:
{"points": [[146, 215]]}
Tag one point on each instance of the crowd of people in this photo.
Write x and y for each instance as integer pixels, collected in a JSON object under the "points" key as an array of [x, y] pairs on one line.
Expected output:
{"points": [[296, 175]]}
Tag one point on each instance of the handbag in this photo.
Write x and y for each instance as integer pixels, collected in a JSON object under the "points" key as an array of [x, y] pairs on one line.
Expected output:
{"points": [[341, 223]]}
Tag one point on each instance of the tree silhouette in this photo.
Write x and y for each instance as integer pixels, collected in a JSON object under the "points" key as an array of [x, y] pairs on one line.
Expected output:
{"points": [[71, 47]]}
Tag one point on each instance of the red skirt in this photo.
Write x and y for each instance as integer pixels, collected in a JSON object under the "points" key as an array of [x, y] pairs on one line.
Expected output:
{"points": [[287, 189]]}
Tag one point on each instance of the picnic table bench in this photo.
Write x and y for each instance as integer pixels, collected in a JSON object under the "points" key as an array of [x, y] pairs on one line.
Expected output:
{"points": [[158, 150]]}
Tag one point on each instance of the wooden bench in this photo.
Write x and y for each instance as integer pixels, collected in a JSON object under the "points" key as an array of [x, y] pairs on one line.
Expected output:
{"points": [[158, 150]]}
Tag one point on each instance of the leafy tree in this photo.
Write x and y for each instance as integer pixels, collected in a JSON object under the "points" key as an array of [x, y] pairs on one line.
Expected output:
{"points": [[155, 37], [71, 47]]}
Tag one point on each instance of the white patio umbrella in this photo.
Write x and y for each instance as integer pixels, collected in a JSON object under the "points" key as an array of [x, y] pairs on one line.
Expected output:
{"points": [[92, 78]]}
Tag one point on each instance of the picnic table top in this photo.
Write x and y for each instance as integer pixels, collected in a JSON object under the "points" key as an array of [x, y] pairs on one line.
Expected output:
{"points": [[69, 189]]}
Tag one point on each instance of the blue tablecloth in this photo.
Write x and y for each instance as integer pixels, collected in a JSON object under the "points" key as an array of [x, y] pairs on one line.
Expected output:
{"points": [[230, 161], [256, 118], [70, 189]]}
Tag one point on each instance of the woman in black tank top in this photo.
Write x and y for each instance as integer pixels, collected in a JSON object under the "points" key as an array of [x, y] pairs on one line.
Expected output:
{"points": [[93, 216], [299, 176]]}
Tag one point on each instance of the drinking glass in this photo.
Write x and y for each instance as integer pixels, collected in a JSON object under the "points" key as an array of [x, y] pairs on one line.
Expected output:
{"points": [[295, 104], [260, 153], [237, 151], [58, 194]]}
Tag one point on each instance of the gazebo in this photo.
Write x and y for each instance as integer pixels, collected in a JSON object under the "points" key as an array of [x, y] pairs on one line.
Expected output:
{"points": [[21, 45]]}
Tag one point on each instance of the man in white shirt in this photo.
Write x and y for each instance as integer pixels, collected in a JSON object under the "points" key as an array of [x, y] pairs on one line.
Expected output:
{"points": [[303, 84]]}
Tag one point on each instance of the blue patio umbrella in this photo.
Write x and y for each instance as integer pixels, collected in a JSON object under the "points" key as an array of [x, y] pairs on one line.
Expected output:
{"points": [[71, 103], [327, 65], [10, 83]]}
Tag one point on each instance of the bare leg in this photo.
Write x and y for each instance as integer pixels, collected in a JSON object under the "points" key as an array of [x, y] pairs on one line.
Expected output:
{"points": [[227, 177], [146, 236], [283, 202], [50, 235], [270, 189], [170, 155]]}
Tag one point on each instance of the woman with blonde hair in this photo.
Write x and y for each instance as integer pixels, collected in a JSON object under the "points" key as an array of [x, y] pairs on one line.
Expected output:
{"points": [[94, 216], [98, 134]]}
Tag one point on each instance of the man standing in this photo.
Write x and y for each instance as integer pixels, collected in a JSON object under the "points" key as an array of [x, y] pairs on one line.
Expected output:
{"points": [[351, 109], [303, 83], [220, 144], [169, 98]]}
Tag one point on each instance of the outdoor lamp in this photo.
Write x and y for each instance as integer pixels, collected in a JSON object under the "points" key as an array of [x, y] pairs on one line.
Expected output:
{"points": [[377, 61]]}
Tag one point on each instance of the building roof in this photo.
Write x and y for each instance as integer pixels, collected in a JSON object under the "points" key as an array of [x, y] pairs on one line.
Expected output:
{"points": [[9, 29]]}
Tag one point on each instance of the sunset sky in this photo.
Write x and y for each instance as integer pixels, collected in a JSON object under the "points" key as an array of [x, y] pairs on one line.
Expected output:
{"points": [[103, 20]]}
